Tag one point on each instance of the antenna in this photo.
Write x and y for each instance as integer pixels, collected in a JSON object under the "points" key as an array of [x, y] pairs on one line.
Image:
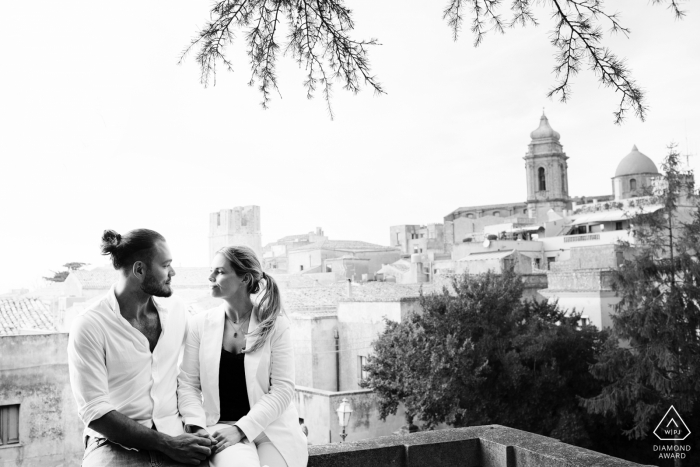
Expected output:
{"points": [[688, 155]]}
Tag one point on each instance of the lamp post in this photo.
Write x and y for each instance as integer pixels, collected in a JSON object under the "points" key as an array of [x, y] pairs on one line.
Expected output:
{"points": [[344, 411]]}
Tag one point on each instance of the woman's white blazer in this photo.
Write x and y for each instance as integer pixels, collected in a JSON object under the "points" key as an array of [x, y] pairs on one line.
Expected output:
{"points": [[269, 376]]}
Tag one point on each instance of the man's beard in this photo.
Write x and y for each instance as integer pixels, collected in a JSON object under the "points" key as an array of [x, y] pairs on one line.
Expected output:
{"points": [[151, 286]]}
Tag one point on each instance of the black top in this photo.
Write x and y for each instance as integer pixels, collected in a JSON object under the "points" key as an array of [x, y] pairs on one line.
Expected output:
{"points": [[233, 393]]}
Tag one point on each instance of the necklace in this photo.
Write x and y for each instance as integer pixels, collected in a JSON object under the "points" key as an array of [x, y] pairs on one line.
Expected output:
{"points": [[240, 324]]}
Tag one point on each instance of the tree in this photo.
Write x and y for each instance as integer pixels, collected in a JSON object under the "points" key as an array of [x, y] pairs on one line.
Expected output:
{"points": [[658, 317], [318, 38], [481, 355], [61, 276]]}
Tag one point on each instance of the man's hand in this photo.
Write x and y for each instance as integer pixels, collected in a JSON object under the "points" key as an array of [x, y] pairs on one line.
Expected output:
{"points": [[226, 437], [199, 431], [188, 448]]}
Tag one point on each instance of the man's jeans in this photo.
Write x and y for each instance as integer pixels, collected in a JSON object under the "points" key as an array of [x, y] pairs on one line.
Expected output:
{"points": [[100, 452]]}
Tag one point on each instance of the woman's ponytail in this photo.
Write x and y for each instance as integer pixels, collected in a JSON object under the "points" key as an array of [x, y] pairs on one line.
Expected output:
{"points": [[268, 309]]}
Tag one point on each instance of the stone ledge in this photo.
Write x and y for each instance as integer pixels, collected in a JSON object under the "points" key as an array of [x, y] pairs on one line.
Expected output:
{"points": [[481, 446]]}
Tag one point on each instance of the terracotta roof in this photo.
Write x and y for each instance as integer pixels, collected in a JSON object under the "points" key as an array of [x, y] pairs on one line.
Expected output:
{"points": [[346, 245], [191, 277], [402, 265], [322, 297], [98, 278], [19, 315], [294, 238]]}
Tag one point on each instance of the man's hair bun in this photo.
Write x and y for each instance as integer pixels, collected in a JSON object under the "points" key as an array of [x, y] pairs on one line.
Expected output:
{"points": [[136, 245], [110, 242]]}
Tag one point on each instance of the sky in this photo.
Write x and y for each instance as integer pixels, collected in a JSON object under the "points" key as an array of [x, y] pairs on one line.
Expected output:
{"points": [[101, 128]]}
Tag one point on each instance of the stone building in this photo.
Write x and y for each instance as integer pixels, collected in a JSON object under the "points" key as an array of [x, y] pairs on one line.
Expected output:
{"points": [[321, 256], [40, 423], [570, 241], [237, 226], [634, 176], [418, 238], [275, 254], [333, 327], [546, 173]]}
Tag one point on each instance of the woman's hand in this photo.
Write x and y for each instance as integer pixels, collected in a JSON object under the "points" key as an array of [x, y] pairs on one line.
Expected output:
{"points": [[226, 437]]}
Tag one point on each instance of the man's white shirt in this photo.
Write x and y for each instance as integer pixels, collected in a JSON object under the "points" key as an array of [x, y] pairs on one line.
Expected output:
{"points": [[112, 367]]}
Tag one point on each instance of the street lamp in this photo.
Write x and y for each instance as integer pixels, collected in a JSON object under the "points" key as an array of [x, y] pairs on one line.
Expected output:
{"points": [[344, 411]]}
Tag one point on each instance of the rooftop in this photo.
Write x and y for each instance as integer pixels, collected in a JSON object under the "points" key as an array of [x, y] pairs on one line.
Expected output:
{"points": [[21, 315], [544, 131], [345, 245], [329, 296], [103, 278], [97, 278], [635, 163]]}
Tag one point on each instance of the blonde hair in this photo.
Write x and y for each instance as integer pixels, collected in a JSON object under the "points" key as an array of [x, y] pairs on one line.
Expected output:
{"points": [[244, 262]]}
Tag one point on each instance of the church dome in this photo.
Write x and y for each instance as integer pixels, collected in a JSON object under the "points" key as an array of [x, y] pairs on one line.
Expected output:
{"points": [[544, 131], [635, 163]]}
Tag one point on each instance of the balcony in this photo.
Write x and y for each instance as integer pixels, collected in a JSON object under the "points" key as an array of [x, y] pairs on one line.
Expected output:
{"points": [[481, 446], [581, 238]]}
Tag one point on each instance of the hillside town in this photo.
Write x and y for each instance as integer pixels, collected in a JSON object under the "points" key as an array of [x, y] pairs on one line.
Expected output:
{"points": [[338, 293]]}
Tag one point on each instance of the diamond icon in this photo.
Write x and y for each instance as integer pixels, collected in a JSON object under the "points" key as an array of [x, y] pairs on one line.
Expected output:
{"points": [[672, 427]]}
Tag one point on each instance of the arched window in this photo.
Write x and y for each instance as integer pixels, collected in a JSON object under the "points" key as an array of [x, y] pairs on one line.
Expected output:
{"points": [[470, 216], [633, 184], [496, 214], [543, 184]]}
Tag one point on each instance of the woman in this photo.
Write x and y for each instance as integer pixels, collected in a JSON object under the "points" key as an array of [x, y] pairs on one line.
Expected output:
{"points": [[236, 381]]}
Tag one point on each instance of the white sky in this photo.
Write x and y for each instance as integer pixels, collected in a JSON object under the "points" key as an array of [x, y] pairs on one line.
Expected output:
{"points": [[100, 128]]}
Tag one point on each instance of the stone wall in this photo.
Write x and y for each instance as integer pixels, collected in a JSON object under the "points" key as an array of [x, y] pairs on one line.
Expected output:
{"points": [[479, 446], [34, 374], [580, 280]]}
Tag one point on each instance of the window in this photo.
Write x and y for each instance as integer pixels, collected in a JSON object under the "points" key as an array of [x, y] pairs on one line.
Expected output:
{"points": [[619, 258], [361, 372], [415, 249], [301, 267], [524, 211], [550, 260], [537, 263], [633, 184], [585, 321], [9, 424], [618, 225], [541, 178], [470, 216], [218, 219], [496, 214]]}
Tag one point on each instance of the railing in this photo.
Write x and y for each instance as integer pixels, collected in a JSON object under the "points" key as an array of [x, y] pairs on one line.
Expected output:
{"points": [[581, 238]]}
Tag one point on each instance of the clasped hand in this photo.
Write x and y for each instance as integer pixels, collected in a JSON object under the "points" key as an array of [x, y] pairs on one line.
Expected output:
{"points": [[225, 437]]}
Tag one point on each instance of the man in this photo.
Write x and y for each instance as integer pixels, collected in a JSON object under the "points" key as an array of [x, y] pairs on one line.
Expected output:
{"points": [[122, 356]]}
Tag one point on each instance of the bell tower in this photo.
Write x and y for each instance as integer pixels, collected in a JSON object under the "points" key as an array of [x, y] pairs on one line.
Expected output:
{"points": [[546, 169]]}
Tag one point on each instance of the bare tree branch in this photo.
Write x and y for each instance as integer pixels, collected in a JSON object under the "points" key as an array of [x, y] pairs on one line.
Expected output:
{"points": [[319, 40]]}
